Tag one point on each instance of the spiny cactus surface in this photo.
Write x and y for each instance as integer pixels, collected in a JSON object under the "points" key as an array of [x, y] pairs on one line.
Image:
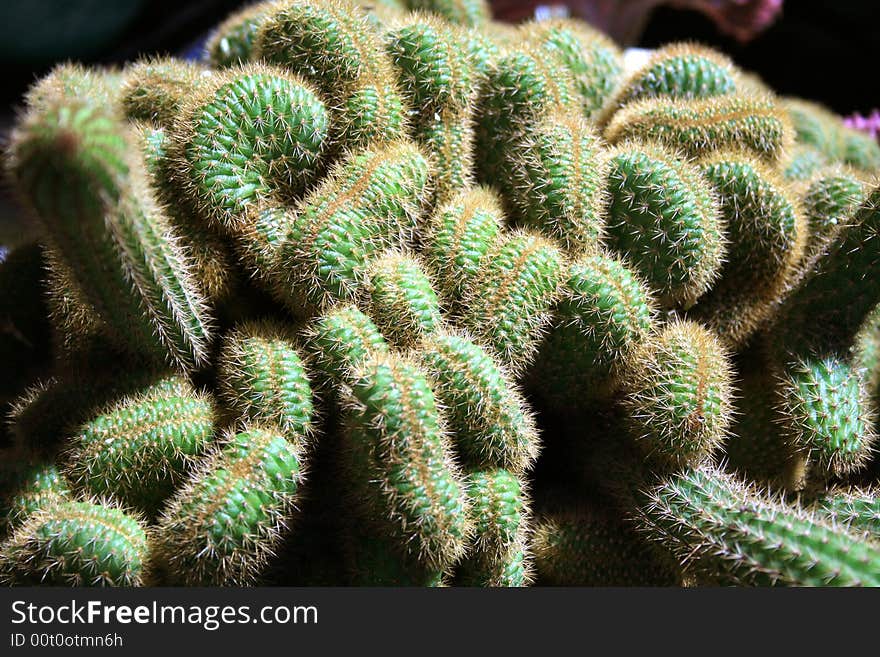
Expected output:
{"points": [[395, 294]]}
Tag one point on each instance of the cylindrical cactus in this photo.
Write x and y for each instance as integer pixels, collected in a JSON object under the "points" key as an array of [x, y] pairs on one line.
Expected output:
{"points": [[139, 448], [76, 544], [226, 521], [830, 203], [828, 306], [604, 312], [401, 458], [500, 509], [594, 60], [338, 48], [458, 236], [41, 486], [696, 127], [154, 90], [590, 547], [681, 71], [664, 218], [76, 164], [227, 156], [766, 234], [677, 392], [339, 340], [263, 379], [490, 421], [856, 509], [825, 412], [553, 179], [401, 299], [713, 521], [508, 306]]}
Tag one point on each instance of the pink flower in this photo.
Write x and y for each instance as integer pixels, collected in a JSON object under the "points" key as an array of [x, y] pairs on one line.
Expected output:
{"points": [[869, 124]]}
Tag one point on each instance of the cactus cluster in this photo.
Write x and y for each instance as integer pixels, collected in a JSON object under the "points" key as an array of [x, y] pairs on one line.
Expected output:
{"points": [[394, 294]]}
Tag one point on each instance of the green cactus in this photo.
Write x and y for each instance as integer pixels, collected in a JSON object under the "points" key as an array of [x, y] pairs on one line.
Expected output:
{"points": [[815, 126], [860, 150], [803, 162], [155, 89], [830, 303], [434, 71], [554, 181], [70, 80], [491, 261], [339, 340], [76, 544], [139, 448], [51, 410], [766, 234], [339, 48], [469, 13], [833, 196], [664, 218], [509, 305], [522, 86], [375, 198], [825, 412], [459, 235], [227, 156], [75, 163], [677, 393], [822, 129], [592, 58], [713, 521], [212, 261], [490, 421], [500, 509], [856, 509], [262, 378], [42, 486], [401, 299], [232, 42], [604, 313], [591, 547], [227, 520], [447, 136], [697, 127], [681, 71], [403, 460]]}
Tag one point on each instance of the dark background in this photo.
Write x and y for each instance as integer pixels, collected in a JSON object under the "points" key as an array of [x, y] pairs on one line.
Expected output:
{"points": [[824, 50]]}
